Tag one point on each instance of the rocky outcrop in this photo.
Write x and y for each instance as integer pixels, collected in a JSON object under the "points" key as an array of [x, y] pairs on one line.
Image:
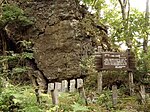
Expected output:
{"points": [[64, 35]]}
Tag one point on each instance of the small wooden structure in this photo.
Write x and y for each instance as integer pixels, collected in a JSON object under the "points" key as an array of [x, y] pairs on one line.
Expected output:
{"points": [[114, 61], [55, 88]]}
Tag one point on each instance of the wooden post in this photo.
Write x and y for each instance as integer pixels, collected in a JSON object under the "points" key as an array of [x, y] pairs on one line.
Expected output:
{"points": [[114, 95], [79, 83], [131, 84], [99, 82], [72, 85], [58, 86], [81, 90], [142, 93], [82, 94], [99, 77], [64, 85], [54, 93]]}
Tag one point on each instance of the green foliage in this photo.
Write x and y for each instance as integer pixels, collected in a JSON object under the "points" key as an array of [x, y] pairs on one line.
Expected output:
{"points": [[8, 103], [96, 4], [110, 15], [0, 85], [24, 99], [9, 58], [144, 61], [16, 56], [53, 109], [143, 68], [79, 108], [134, 29], [12, 13], [19, 57], [144, 108], [27, 45], [105, 99], [26, 55], [19, 70]]}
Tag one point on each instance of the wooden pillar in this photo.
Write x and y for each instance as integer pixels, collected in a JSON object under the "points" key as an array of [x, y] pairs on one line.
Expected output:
{"points": [[99, 82], [114, 95], [142, 93], [64, 86], [54, 93], [72, 85], [131, 84], [82, 94], [99, 76], [58, 86], [79, 83], [81, 90]]}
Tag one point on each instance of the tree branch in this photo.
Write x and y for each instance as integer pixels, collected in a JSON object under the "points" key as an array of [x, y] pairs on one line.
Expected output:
{"points": [[120, 3], [128, 13], [122, 10], [125, 3]]}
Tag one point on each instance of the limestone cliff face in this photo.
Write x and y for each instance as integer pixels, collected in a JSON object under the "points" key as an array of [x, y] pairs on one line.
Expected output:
{"points": [[64, 35]]}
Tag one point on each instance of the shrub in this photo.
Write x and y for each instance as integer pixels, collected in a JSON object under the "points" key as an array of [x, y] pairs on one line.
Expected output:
{"points": [[8, 103]]}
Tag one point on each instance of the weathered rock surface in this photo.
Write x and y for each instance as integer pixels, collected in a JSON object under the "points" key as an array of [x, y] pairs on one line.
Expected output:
{"points": [[64, 35]]}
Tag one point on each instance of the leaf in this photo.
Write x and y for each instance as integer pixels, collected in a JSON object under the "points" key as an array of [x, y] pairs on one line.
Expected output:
{"points": [[26, 55], [19, 70], [17, 101], [77, 107]]}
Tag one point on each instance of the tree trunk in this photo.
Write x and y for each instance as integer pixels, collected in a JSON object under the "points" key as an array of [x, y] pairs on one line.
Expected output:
{"points": [[125, 9], [145, 41], [146, 35]]}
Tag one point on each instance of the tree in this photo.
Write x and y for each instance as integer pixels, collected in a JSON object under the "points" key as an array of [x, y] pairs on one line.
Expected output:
{"points": [[145, 41], [146, 53], [127, 26]]}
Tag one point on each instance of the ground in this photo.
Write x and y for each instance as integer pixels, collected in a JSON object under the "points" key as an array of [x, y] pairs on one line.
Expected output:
{"points": [[24, 100]]}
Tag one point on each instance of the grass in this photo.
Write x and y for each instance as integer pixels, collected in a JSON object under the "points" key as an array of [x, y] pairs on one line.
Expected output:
{"points": [[68, 102]]}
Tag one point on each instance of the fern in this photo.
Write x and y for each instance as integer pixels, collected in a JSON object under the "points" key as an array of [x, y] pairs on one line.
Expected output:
{"points": [[12, 13], [19, 70], [77, 107]]}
